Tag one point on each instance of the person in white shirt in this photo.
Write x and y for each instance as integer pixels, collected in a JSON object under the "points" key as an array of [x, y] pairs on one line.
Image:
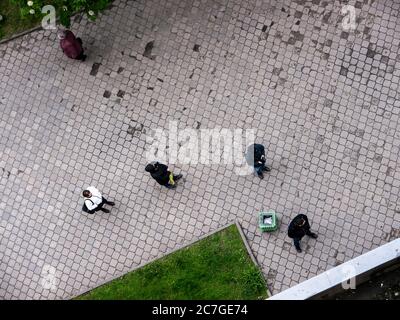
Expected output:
{"points": [[94, 201]]}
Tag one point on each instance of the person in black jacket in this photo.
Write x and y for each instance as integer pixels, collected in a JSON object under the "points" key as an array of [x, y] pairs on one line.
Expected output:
{"points": [[255, 157], [160, 173], [298, 228]]}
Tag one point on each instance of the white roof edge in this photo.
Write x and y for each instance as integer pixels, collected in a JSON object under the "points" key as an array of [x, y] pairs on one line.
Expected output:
{"points": [[341, 273]]}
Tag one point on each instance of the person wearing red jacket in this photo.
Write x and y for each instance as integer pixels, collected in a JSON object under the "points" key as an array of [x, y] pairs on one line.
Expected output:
{"points": [[71, 46]]}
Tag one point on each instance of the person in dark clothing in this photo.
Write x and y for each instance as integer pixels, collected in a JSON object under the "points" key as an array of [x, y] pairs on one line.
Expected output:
{"points": [[298, 228], [255, 157], [160, 173], [71, 46]]}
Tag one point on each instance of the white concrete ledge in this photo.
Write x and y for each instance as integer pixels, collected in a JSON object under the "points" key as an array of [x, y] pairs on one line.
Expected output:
{"points": [[342, 273]]}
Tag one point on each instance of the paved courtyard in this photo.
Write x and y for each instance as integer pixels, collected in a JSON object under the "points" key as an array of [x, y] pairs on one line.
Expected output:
{"points": [[324, 101]]}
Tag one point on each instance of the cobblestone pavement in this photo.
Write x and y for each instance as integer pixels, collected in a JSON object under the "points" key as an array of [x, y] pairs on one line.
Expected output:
{"points": [[324, 100]]}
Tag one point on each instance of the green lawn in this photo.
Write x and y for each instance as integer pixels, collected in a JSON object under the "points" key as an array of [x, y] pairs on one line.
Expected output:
{"points": [[217, 267], [12, 22]]}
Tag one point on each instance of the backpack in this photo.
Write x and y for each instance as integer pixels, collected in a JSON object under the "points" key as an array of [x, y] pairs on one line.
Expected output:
{"points": [[85, 209]]}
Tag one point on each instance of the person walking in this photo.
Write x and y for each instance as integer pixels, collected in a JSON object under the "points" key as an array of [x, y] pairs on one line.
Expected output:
{"points": [[94, 201], [255, 157], [298, 228], [162, 175], [71, 46]]}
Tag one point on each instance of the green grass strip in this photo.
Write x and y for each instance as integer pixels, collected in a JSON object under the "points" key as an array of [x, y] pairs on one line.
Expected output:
{"points": [[217, 267]]}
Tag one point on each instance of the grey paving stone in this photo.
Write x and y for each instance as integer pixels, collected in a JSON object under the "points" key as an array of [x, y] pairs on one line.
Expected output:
{"points": [[324, 101]]}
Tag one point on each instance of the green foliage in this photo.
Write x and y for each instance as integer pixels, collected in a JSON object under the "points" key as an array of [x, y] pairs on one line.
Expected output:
{"points": [[64, 8], [217, 267], [12, 22], [251, 279], [65, 18]]}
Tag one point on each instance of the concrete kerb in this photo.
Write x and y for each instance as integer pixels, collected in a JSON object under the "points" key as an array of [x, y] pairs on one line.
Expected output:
{"points": [[253, 258], [37, 28], [21, 34]]}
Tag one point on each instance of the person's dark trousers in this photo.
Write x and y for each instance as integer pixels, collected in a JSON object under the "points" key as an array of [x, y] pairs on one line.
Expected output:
{"points": [[297, 243], [309, 233], [82, 56], [99, 208], [173, 186], [259, 169], [103, 202], [297, 240]]}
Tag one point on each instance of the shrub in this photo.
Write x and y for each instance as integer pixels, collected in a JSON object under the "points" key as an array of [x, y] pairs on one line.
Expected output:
{"points": [[64, 8], [1, 30]]}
